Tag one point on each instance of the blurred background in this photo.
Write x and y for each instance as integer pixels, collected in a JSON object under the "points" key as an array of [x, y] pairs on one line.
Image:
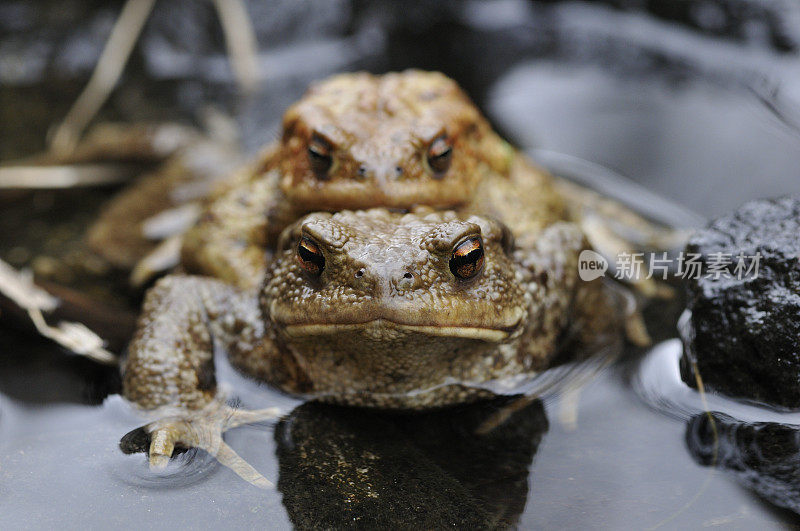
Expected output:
{"points": [[688, 97]]}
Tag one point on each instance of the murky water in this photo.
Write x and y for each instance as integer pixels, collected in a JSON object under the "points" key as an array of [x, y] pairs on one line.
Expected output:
{"points": [[630, 449]]}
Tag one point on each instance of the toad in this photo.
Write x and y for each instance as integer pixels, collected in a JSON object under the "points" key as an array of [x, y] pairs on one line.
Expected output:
{"points": [[371, 308]]}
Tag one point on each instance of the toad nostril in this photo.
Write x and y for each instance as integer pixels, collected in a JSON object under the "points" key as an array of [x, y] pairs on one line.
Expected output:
{"points": [[398, 170], [362, 171]]}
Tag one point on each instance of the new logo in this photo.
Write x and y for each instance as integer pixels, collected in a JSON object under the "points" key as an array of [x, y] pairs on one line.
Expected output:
{"points": [[591, 265]]}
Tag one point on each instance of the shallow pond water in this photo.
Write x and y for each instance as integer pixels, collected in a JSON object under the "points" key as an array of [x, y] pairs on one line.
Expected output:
{"points": [[615, 463], [626, 451]]}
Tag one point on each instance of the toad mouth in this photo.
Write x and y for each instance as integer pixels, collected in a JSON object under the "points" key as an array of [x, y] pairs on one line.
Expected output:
{"points": [[466, 332]]}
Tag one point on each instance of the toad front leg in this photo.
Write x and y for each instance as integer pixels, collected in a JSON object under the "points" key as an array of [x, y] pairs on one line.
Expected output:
{"points": [[170, 368]]}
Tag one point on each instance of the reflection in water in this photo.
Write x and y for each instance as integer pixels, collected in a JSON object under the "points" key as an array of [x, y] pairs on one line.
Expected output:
{"points": [[760, 446], [764, 456], [658, 382], [342, 465]]}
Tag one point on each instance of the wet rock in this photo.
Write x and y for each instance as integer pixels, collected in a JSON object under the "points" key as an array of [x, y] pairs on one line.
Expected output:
{"points": [[745, 338], [764, 456], [348, 467]]}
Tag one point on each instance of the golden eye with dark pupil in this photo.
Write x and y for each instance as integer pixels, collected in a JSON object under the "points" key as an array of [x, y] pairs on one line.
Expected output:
{"points": [[440, 153], [310, 257], [467, 259], [319, 157]]}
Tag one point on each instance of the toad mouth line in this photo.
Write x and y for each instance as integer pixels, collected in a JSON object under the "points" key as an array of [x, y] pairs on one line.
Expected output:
{"points": [[467, 332]]}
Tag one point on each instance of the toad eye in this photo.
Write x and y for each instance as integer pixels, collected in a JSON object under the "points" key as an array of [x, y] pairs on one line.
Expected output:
{"points": [[310, 256], [320, 157], [440, 153], [467, 259]]}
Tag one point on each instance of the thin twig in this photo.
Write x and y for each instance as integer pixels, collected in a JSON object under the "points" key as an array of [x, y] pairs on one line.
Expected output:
{"points": [[19, 287], [105, 75], [240, 40], [74, 337], [66, 176]]}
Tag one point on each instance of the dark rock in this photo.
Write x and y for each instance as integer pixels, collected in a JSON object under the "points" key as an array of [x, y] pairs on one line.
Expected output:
{"points": [[34, 370], [343, 467], [764, 456], [746, 327]]}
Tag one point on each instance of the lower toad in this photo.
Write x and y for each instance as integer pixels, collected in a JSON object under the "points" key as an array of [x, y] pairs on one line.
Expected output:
{"points": [[369, 308]]}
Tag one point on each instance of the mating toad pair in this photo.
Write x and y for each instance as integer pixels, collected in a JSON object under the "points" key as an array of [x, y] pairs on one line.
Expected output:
{"points": [[390, 250]]}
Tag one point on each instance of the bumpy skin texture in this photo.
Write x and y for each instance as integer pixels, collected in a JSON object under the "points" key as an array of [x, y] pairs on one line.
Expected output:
{"points": [[385, 323], [379, 133]]}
